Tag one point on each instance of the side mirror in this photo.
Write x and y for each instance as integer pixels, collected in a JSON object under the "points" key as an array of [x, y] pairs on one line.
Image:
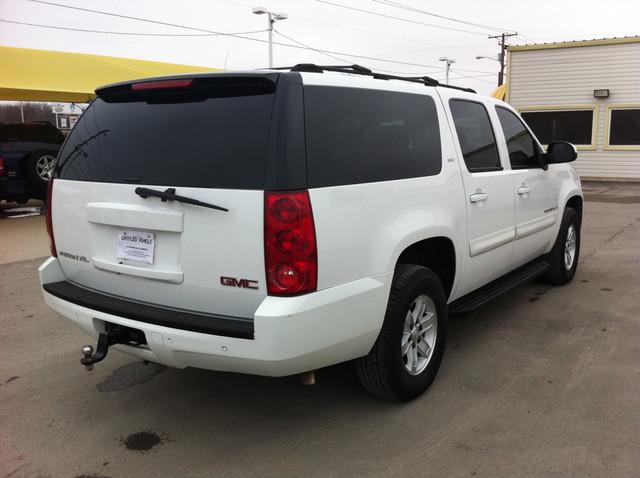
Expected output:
{"points": [[561, 152]]}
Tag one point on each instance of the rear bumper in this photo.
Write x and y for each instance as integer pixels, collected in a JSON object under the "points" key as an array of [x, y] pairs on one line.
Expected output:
{"points": [[291, 335]]}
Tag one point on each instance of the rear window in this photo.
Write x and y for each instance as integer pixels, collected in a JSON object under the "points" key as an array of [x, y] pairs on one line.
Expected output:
{"points": [[29, 133], [216, 139], [357, 135]]}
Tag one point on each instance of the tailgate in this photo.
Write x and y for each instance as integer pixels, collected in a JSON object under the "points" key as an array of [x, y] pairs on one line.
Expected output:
{"points": [[171, 254], [216, 139]]}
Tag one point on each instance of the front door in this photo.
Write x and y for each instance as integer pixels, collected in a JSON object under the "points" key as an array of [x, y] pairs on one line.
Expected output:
{"points": [[536, 190]]}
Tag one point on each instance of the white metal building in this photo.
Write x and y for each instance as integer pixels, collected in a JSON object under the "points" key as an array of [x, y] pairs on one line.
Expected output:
{"points": [[586, 92]]}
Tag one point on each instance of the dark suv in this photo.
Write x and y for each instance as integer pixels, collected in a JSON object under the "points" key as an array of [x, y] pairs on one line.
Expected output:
{"points": [[27, 154]]}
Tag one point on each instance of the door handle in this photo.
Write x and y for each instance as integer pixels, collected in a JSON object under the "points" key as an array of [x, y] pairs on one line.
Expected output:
{"points": [[523, 190], [478, 197]]}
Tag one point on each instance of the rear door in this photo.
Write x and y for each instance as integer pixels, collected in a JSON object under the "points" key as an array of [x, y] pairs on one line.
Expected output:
{"points": [[488, 190], [209, 140]]}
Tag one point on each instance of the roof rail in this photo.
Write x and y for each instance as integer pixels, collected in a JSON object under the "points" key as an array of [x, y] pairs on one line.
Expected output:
{"points": [[361, 70]]}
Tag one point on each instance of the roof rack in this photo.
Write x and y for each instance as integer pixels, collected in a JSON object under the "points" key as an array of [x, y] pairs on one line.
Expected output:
{"points": [[361, 70]]}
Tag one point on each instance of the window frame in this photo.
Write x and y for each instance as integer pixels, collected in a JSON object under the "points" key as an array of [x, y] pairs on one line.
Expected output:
{"points": [[555, 108], [492, 169], [536, 143], [607, 127]]}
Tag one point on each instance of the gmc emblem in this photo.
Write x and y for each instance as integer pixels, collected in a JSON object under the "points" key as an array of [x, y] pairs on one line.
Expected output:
{"points": [[242, 283]]}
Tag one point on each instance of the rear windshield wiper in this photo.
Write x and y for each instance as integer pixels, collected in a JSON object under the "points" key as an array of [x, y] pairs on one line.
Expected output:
{"points": [[170, 195]]}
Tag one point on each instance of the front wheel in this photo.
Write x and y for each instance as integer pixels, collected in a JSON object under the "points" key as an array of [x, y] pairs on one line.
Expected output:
{"points": [[563, 258], [407, 354]]}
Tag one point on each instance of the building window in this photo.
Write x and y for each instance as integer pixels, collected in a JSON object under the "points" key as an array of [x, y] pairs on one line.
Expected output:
{"points": [[624, 127], [574, 126]]}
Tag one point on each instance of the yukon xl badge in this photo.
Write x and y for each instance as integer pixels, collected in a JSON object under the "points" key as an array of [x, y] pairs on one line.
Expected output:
{"points": [[75, 257], [242, 283]]}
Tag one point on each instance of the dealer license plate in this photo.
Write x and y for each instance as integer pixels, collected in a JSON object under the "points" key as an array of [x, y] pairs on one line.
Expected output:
{"points": [[136, 246]]}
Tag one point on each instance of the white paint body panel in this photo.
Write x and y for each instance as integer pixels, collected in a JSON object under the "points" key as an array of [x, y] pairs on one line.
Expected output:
{"points": [[361, 231]]}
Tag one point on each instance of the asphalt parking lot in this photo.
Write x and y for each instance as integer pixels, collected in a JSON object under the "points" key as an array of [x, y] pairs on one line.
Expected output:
{"points": [[540, 382]]}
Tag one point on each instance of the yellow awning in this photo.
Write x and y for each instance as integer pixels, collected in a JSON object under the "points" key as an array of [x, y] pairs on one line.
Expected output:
{"points": [[41, 75], [500, 92]]}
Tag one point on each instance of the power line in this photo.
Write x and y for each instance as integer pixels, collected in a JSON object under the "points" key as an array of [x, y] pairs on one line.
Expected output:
{"points": [[369, 12], [310, 48], [108, 32], [472, 77], [526, 39], [436, 15], [342, 59], [157, 22], [239, 36], [344, 27]]}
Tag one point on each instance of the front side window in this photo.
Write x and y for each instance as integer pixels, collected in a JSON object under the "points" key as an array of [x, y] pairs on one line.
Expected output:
{"points": [[574, 126], [520, 143], [624, 128], [475, 135]]}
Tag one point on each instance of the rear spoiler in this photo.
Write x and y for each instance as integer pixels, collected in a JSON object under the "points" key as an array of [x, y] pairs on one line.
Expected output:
{"points": [[189, 88]]}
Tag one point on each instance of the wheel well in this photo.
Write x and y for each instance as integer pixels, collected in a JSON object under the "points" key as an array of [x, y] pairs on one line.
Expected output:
{"points": [[575, 202], [436, 253]]}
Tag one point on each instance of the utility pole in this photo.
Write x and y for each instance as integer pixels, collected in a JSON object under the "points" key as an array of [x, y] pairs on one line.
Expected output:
{"points": [[503, 48], [449, 62]]}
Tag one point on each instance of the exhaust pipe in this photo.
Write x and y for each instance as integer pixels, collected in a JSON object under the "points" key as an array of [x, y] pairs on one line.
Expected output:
{"points": [[308, 378]]}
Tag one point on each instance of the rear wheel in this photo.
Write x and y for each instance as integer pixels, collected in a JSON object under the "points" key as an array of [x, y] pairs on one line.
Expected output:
{"points": [[407, 354], [39, 167], [563, 258]]}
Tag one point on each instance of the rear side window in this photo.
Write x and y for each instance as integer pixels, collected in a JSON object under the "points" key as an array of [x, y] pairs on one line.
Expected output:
{"points": [[356, 135], [520, 144], [218, 140], [475, 135]]}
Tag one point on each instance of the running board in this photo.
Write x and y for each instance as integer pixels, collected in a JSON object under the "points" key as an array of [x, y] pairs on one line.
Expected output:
{"points": [[484, 294]]}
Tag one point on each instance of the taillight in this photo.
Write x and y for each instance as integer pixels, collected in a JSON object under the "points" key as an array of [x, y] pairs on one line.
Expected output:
{"points": [[162, 84], [1, 166], [289, 243], [49, 205]]}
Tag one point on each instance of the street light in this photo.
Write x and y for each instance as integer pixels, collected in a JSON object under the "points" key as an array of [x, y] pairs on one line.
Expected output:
{"points": [[272, 18], [480, 57], [449, 61], [499, 60]]}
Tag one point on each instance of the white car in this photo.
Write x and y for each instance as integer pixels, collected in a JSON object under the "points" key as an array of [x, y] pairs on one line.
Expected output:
{"points": [[275, 222]]}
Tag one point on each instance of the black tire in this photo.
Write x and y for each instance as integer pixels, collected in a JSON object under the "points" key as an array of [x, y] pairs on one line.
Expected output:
{"points": [[37, 184], [558, 273], [382, 372]]}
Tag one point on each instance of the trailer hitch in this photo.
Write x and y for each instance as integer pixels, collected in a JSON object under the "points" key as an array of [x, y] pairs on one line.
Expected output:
{"points": [[101, 351], [113, 334]]}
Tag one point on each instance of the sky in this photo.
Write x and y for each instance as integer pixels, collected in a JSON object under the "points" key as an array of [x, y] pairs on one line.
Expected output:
{"points": [[397, 36]]}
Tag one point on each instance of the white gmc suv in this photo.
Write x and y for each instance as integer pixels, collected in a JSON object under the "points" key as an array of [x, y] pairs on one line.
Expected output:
{"points": [[275, 222]]}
